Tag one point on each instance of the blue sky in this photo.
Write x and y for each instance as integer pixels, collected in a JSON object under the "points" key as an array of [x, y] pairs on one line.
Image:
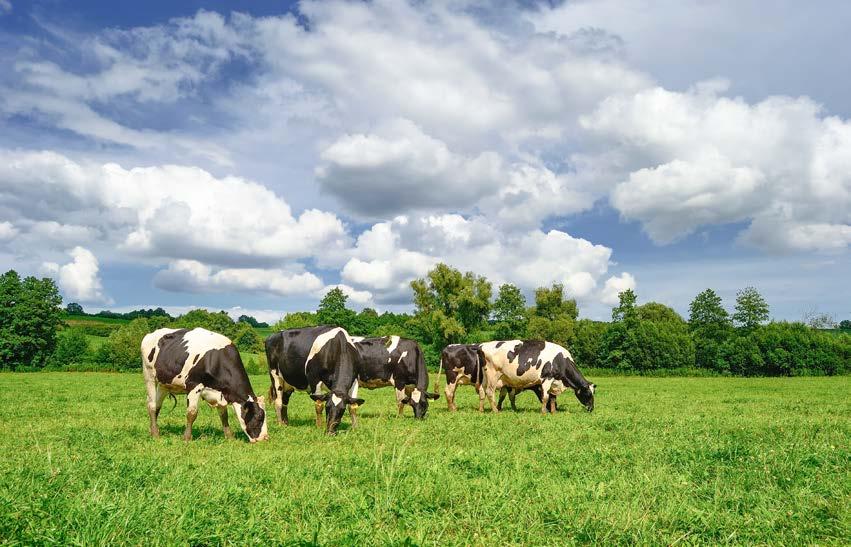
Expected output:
{"points": [[250, 155]]}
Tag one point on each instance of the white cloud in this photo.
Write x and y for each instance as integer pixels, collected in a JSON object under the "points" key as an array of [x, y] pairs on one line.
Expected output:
{"points": [[193, 276], [391, 254], [5, 7], [614, 286], [169, 211], [79, 278], [697, 158], [7, 231]]}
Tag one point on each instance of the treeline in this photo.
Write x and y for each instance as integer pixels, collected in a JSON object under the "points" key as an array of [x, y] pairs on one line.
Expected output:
{"points": [[455, 307]]}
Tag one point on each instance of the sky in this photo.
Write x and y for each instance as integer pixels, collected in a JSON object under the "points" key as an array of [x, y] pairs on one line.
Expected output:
{"points": [[249, 156]]}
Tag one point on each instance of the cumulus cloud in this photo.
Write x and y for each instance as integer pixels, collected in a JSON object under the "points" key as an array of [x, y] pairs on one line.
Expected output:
{"points": [[7, 231], [391, 254], [193, 276], [614, 286], [716, 160], [79, 278], [162, 212], [5, 7]]}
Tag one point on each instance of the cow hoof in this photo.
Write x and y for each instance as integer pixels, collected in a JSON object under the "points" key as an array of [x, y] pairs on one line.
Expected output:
{"points": [[187, 437], [229, 435]]}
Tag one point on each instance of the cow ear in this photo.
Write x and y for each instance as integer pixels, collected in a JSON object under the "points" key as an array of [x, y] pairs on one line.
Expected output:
{"points": [[406, 401], [319, 396], [593, 388], [352, 401], [432, 396], [262, 402]]}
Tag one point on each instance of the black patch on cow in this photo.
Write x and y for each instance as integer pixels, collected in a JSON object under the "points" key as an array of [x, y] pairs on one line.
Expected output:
{"points": [[461, 356], [172, 356], [253, 416], [501, 342], [527, 355], [405, 364], [151, 355], [196, 359]]}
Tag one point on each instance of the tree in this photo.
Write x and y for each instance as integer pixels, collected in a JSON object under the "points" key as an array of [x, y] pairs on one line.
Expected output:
{"points": [[251, 321], [449, 304], [509, 311], [74, 309], [822, 321], [29, 318], [333, 311], [296, 320], [625, 310], [588, 339], [654, 311], [751, 309], [710, 326], [213, 321], [551, 303], [845, 324], [246, 339]]}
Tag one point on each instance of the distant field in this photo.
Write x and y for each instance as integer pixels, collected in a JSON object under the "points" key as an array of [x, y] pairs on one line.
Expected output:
{"points": [[661, 460], [79, 320]]}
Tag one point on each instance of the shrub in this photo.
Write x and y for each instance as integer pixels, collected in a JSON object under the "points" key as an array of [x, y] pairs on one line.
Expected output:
{"points": [[72, 348], [121, 351]]}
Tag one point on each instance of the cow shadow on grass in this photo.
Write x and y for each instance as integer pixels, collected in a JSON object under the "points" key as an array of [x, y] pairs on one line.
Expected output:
{"points": [[201, 432]]}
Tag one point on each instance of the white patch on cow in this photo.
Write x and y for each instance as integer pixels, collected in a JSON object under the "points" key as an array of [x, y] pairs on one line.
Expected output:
{"points": [[557, 388], [357, 339], [404, 353], [323, 339], [593, 388], [394, 341], [336, 400], [214, 397], [416, 395], [237, 409], [320, 387]]}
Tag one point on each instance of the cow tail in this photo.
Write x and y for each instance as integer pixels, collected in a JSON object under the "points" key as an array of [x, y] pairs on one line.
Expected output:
{"points": [[480, 365], [437, 378], [173, 398]]}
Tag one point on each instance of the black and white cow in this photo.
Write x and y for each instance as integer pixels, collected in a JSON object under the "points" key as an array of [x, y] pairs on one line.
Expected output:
{"points": [[397, 362], [460, 364], [320, 361], [521, 364], [204, 365]]}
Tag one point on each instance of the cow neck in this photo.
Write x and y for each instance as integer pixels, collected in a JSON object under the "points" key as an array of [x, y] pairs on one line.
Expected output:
{"points": [[422, 372], [574, 378]]}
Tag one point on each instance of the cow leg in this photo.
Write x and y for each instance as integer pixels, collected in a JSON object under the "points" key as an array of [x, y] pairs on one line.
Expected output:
{"points": [[552, 404], [502, 393], [283, 416], [449, 389], [400, 396], [155, 397], [512, 395], [276, 394], [353, 408], [481, 390], [223, 414], [490, 393], [191, 411], [319, 406], [545, 394]]}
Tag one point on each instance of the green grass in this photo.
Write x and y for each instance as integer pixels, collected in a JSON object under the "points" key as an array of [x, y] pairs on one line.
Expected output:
{"points": [[78, 320], [660, 461]]}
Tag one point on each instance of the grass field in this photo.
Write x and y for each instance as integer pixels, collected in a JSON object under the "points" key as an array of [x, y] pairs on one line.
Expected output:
{"points": [[661, 460]]}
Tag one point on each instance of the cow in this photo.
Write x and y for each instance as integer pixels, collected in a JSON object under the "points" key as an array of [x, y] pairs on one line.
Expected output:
{"points": [[460, 364], [397, 362], [512, 393], [321, 361], [522, 364], [204, 365]]}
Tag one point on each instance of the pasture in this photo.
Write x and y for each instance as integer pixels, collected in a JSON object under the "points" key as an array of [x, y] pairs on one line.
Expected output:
{"points": [[661, 460]]}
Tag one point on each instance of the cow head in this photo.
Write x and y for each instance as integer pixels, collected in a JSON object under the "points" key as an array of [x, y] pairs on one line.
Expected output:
{"points": [[252, 417], [419, 401], [586, 396], [335, 406]]}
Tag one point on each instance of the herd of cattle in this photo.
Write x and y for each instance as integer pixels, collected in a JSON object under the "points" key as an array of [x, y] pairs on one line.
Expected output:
{"points": [[331, 366]]}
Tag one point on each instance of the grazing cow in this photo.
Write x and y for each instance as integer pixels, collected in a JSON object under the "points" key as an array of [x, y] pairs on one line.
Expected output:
{"points": [[460, 363], [204, 365], [397, 362], [512, 393], [522, 364], [314, 359]]}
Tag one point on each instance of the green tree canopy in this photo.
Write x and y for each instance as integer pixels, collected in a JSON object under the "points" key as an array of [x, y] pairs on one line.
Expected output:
{"points": [[551, 303], [74, 308], [625, 310], [707, 311], [332, 310], [296, 320], [654, 311], [449, 304], [30, 315], [751, 308], [509, 311]]}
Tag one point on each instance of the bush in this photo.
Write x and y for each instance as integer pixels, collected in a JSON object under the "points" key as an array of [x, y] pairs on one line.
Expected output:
{"points": [[646, 345], [72, 348], [246, 339], [587, 342], [121, 351]]}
